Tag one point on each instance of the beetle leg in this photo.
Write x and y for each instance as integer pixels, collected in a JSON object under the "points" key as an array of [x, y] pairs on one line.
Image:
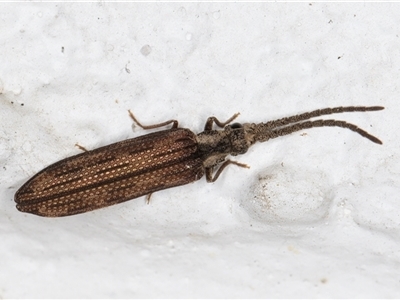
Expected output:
{"points": [[210, 121], [174, 123], [209, 171]]}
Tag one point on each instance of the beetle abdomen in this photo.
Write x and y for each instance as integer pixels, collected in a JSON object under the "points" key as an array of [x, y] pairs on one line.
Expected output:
{"points": [[113, 174]]}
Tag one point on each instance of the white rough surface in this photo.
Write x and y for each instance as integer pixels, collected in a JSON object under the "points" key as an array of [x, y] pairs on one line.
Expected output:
{"points": [[316, 215]]}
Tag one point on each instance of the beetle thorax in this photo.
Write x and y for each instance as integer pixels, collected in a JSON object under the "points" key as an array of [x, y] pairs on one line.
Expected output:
{"points": [[220, 143]]}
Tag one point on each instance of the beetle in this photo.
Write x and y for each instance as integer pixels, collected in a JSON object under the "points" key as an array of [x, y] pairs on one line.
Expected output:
{"points": [[167, 158]]}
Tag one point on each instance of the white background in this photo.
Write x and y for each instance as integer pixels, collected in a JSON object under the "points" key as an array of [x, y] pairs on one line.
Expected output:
{"points": [[316, 215]]}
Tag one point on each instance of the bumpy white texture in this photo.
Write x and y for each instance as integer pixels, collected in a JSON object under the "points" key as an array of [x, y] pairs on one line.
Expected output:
{"points": [[316, 215]]}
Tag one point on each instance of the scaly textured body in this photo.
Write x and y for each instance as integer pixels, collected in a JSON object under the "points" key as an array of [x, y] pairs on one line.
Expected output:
{"points": [[113, 174]]}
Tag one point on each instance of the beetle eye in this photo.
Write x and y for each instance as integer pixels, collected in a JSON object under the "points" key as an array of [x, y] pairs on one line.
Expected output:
{"points": [[236, 125]]}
